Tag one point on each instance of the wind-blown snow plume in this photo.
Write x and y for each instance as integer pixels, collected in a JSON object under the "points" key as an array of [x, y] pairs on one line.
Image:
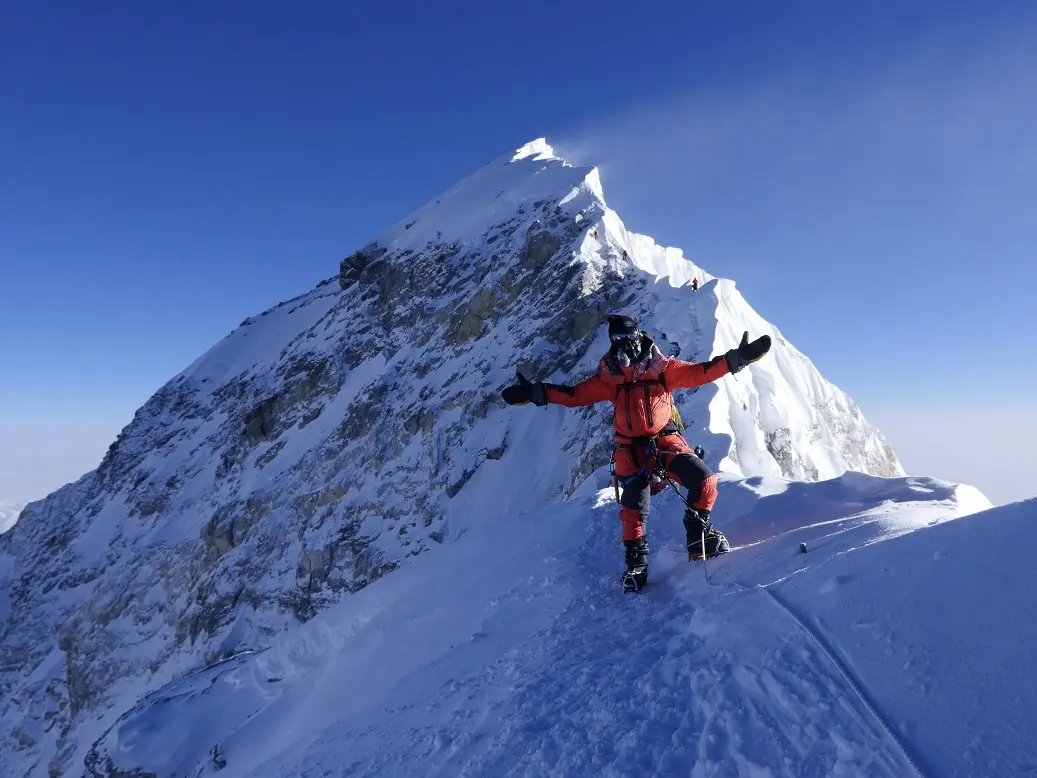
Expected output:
{"points": [[9, 512], [331, 439]]}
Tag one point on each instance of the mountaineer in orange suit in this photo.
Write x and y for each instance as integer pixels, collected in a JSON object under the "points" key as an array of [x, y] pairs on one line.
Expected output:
{"points": [[639, 381]]}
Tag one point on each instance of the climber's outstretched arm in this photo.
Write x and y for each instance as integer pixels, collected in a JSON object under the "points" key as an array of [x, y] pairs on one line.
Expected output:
{"points": [[594, 390], [685, 375]]}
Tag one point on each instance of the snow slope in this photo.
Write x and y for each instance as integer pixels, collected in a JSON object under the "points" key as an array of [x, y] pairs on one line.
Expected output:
{"points": [[880, 652], [340, 437], [9, 511]]}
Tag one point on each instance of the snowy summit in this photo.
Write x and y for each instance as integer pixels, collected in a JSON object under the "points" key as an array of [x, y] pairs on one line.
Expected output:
{"points": [[328, 546]]}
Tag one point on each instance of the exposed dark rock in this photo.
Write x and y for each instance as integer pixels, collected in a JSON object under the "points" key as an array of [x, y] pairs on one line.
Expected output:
{"points": [[310, 416], [540, 246], [261, 422], [352, 268], [271, 453], [422, 419], [364, 413], [455, 487]]}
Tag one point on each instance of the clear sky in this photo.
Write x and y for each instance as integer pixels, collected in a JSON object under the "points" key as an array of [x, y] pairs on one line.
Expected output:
{"points": [[866, 172]]}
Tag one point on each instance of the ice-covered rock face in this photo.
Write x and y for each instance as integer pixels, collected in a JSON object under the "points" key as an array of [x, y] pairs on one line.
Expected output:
{"points": [[324, 442]]}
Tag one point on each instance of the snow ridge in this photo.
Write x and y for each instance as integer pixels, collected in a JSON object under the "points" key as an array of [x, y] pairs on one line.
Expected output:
{"points": [[513, 653], [349, 431]]}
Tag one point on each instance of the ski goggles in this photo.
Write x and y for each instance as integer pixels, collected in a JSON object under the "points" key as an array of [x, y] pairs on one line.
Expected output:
{"points": [[619, 337]]}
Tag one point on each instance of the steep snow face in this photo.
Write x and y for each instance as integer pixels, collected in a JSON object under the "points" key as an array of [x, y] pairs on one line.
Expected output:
{"points": [[335, 437], [513, 652], [784, 418], [9, 512]]}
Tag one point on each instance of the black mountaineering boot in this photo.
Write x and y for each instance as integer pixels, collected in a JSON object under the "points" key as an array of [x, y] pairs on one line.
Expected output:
{"points": [[696, 525], [636, 575]]}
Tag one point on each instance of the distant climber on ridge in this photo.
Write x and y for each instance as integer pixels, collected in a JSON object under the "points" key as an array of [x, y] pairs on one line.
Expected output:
{"points": [[694, 284], [639, 380]]}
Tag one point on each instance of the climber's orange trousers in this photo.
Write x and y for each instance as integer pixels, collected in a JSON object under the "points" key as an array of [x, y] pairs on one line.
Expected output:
{"points": [[681, 465]]}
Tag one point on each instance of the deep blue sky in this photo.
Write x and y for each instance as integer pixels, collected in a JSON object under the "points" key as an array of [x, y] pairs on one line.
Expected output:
{"points": [[866, 172]]}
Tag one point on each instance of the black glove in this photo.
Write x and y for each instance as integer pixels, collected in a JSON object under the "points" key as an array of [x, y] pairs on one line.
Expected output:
{"points": [[747, 352], [524, 392]]}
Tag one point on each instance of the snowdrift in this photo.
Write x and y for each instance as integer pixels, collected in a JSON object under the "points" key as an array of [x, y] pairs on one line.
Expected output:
{"points": [[901, 643]]}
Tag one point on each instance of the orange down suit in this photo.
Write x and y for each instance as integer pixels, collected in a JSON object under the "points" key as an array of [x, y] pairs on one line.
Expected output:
{"points": [[642, 399]]}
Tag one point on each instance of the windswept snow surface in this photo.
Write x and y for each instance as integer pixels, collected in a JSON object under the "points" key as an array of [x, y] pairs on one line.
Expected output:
{"points": [[9, 512], [902, 643]]}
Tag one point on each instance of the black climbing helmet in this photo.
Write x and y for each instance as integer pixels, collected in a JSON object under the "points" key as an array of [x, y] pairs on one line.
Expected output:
{"points": [[622, 327], [625, 337]]}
